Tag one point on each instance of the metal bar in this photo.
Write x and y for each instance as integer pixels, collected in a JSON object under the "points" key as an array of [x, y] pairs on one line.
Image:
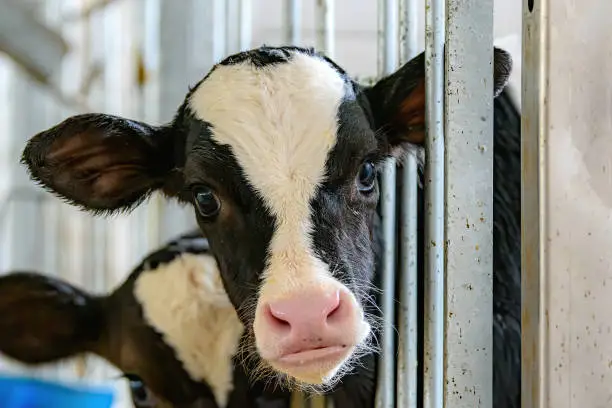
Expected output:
{"points": [[409, 34], [293, 22], [385, 395], [219, 41], [408, 323], [232, 26], [468, 146], [433, 362], [533, 167], [408, 326], [246, 24], [170, 54], [27, 116], [325, 26]]}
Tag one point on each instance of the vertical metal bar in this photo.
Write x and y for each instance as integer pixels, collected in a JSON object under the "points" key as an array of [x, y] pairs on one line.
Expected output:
{"points": [[408, 326], [385, 396], [207, 35], [380, 37], [408, 323], [232, 27], [170, 54], [219, 22], [325, 23], [433, 362], [533, 136], [245, 24], [409, 33], [99, 275], [468, 146], [293, 22], [151, 91], [23, 218]]}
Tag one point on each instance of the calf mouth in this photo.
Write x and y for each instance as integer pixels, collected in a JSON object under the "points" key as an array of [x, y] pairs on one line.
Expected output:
{"points": [[316, 366]]}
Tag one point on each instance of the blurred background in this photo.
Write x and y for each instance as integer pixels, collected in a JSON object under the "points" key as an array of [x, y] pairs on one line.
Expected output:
{"points": [[136, 58]]}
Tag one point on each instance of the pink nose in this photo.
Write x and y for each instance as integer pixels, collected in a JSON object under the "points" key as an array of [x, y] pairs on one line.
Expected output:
{"points": [[308, 320]]}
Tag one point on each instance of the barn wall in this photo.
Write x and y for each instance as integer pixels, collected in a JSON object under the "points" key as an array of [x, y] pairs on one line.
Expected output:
{"points": [[567, 268]]}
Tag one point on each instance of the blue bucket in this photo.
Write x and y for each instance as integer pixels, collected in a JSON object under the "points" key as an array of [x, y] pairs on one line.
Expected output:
{"points": [[22, 392]]}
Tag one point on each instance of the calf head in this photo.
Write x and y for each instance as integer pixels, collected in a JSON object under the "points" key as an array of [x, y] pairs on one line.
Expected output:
{"points": [[147, 328], [278, 151]]}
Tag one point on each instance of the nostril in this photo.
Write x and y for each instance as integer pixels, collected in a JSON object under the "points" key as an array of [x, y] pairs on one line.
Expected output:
{"points": [[333, 310], [277, 318]]}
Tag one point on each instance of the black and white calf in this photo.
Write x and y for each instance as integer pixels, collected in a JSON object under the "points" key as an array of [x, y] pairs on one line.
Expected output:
{"points": [[169, 327], [279, 150]]}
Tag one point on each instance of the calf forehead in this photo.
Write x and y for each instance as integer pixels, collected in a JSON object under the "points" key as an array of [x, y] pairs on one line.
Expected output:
{"points": [[279, 121]]}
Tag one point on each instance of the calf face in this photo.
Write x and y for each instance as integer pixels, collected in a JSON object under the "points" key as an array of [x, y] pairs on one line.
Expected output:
{"points": [[278, 151], [169, 327]]}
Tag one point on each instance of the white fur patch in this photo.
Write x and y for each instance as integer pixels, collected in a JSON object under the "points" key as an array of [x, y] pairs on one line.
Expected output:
{"points": [[280, 122], [184, 300]]}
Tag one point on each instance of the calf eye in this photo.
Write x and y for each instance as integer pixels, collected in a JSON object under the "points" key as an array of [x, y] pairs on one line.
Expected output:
{"points": [[141, 397], [206, 201], [366, 177]]}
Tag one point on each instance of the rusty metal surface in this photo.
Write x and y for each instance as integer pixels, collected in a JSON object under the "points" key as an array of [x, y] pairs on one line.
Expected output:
{"points": [[469, 204], [532, 129]]}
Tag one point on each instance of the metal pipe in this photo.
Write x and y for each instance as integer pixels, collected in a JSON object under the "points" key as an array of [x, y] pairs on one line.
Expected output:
{"points": [[385, 396], [219, 41], [409, 33], [408, 324], [293, 22], [245, 25], [534, 196], [433, 362], [325, 23], [232, 21], [468, 146], [380, 37]]}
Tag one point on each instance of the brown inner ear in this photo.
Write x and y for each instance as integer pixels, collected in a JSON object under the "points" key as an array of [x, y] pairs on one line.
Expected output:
{"points": [[97, 168], [409, 121]]}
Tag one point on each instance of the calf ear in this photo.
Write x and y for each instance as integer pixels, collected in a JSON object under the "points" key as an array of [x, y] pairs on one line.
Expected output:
{"points": [[398, 101], [101, 162], [43, 319]]}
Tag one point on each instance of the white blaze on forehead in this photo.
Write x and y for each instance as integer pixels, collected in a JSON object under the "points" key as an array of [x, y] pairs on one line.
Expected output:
{"points": [[184, 300], [280, 122]]}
